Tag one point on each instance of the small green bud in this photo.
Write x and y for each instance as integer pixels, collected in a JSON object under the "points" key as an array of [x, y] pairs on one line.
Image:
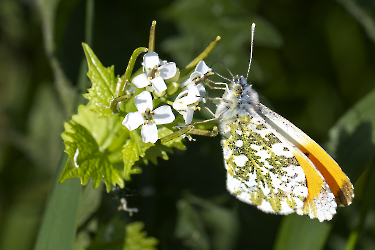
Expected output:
{"points": [[172, 88]]}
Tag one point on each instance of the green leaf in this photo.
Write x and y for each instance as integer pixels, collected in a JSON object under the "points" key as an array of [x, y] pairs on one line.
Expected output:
{"points": [[94, 144], [86, 160], [132, 151], [136, 149], [363, 12], [106, 131], [103, 82], [117, 236], [130, 155], [67, 94], [57, 230], [138, 240], [162, 150], [352, 140], [300, 232]]}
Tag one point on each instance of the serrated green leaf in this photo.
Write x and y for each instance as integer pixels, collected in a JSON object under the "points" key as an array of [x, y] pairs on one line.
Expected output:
{"points": [[155, 152], [103, 82], [132, 151], [116, 235], [135, 148], [138, 240], [130, 155], [86, 160], [162, 150]]}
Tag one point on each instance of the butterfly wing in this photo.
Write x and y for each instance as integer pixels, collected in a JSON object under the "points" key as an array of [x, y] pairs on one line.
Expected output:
{"points": [[338, 182], [262, 169], [312, 157]]}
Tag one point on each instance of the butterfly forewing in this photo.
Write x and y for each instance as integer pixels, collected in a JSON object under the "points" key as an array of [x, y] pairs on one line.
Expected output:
{"points": [[338, 182]]}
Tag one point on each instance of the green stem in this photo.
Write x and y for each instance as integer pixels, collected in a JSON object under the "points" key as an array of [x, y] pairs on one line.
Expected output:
{"points": [[203, 132], [176, 134], [116, 101], [189, 130], [202, 56], [151, 42], [129, 69]]}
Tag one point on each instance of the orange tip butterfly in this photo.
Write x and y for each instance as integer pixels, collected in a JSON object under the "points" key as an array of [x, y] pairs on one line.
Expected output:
{"points": [[271, 163]]}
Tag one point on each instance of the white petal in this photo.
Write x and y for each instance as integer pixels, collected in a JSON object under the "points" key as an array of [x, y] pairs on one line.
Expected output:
{"points": [[186, 83], [179, 103], [133, 120], [143, 101], [163, 115], [149, 133], [168, 70], [150, 60], [202, 68], [158, 84], [141, 80], [195, 76], [202, 90], [188, 116]]}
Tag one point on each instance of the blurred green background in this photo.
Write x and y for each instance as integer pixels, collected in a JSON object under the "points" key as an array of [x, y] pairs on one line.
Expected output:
{"points": [[314, 63]]}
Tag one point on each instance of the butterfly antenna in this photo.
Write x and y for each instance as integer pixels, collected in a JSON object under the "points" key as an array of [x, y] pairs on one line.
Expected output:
{"points": [[251, 48], [225, 67]]}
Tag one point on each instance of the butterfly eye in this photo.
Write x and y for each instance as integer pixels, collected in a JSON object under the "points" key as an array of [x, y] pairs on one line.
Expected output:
{"points": [[237, 89]]}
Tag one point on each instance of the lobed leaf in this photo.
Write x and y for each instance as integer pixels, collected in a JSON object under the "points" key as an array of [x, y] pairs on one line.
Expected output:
{"points": [[86, 160], [130, 154], [103, 82], [137, 239]]}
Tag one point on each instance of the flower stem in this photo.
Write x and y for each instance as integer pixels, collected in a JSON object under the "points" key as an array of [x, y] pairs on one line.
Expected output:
{"points": [[151, 42], [202, 56], [129, 69]]}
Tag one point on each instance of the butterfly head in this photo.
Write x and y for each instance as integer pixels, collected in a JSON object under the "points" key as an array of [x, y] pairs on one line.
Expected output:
{"points": [[239, 83]]}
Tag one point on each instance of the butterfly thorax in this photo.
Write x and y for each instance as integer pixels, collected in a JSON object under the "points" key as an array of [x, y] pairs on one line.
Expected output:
{"points": [[239, 100]]}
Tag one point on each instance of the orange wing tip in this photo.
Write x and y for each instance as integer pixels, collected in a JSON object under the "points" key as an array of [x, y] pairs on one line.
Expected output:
{"points": [[336, 179], [345, 194]]}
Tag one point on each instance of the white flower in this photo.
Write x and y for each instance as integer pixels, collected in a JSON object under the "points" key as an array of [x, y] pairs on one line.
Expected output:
{"points": [[200, 70], [187, 101], [156, 71], [147, 117]]}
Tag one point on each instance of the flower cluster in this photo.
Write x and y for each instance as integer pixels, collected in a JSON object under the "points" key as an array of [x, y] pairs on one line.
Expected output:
{"points": [[156, 73]]}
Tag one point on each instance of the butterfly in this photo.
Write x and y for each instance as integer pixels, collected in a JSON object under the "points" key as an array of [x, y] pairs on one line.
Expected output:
{"points": [[271, 163]]}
